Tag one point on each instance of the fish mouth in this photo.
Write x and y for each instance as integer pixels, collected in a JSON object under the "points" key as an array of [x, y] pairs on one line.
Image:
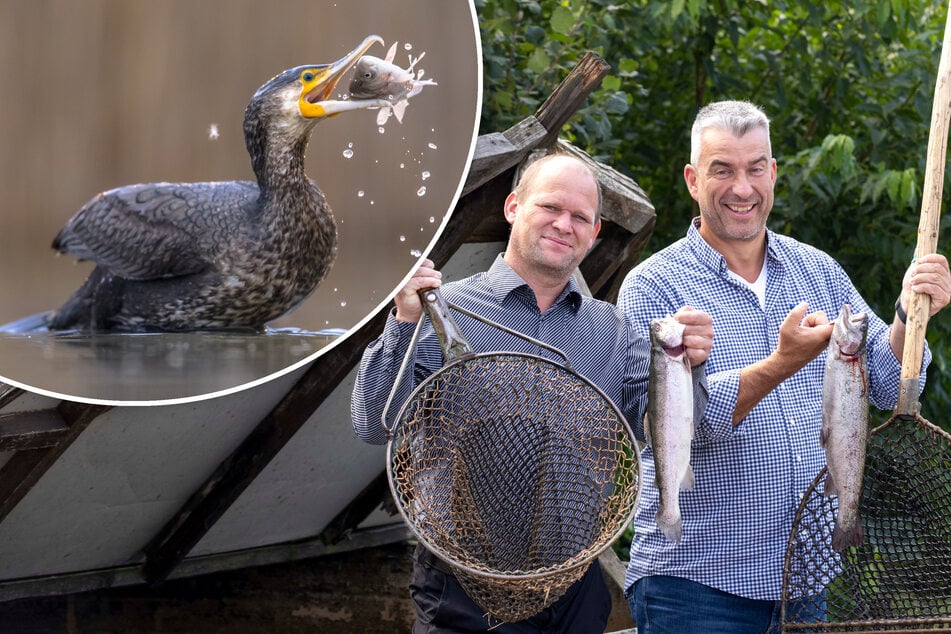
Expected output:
{"points": [[338, 69], [849, 353], [675, 351]]}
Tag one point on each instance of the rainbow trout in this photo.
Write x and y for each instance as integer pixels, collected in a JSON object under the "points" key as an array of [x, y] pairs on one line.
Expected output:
{"points": [[845, 422], [375, 78], [669, 425]]}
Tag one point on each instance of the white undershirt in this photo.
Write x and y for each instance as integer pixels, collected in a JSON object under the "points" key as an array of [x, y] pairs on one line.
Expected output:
{"points": [[758, 286]]}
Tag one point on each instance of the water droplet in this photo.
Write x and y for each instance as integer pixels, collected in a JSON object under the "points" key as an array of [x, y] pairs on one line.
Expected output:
{"points": [[421, 191], [361, 194], [402, 165], [402, 238], [381, 130], [415, 253], [432, 219], [213, 131], [432, 146], [343, 303], [348, 153], [408, 46], [425, 175]]}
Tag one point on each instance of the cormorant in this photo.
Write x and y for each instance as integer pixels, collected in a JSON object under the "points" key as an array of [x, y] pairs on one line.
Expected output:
{"points": [[236, 254]]}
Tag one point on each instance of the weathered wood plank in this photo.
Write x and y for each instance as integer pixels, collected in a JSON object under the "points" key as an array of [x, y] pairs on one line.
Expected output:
{"points": [[26, 468], [31, 430], [568, 96], [498, 151], [367, 501], [8, 394], [233, 475]]}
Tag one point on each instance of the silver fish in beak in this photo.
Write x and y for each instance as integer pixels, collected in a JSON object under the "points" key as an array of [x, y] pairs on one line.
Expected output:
{"points": [[375, 78]]}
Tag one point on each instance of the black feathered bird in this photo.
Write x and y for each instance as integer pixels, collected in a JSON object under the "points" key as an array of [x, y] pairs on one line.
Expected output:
{"points": [[236, 254]]}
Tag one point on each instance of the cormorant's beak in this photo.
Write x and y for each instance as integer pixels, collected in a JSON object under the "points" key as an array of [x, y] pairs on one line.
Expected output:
{"points": [[319, 82]]}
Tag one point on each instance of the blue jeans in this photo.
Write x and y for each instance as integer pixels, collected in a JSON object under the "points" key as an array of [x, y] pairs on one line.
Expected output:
{"points": [[671, 605]]}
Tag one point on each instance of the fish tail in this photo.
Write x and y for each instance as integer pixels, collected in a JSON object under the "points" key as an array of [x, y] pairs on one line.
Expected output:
{"points": [[829, 488], [845, 536], [670, 523]]}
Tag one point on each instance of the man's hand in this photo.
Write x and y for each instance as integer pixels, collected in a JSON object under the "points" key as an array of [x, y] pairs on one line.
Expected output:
{"points": [[408, 305], [698, 334]]}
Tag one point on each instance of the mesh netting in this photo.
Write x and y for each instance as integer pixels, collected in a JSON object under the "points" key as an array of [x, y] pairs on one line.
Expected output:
{"points": [[517, 473], [899, 578]]}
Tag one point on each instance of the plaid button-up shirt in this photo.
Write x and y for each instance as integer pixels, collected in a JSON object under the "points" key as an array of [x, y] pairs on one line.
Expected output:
{"points": [[750, 478]]}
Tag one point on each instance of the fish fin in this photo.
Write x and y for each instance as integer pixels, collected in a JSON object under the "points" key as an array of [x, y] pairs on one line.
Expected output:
{"points": [[383, 115], [391, 53], [688, 481], [647, 430], [399, 108], [829, 489], [672, 527], [824, 434], [843, 537]]}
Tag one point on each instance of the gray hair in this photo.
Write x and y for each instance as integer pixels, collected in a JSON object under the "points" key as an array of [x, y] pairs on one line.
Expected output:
{"points": [[738, 117]]}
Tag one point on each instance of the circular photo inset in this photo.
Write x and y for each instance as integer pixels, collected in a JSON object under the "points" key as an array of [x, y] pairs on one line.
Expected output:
{"points": [[199, 197]]}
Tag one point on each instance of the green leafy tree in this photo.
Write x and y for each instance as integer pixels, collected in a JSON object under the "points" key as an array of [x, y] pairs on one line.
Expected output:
{"points": [[848, 86]]}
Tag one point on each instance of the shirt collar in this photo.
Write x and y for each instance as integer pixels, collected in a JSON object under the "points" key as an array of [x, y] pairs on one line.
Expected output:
{"points": [[710, 256], [502, 281]]}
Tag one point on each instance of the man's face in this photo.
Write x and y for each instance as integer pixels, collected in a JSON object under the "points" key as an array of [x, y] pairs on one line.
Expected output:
{"points": [[733, 185], [553, 220]]}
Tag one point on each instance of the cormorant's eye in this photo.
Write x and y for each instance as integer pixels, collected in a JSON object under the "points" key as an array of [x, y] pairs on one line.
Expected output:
{"points": [[308, 76]]}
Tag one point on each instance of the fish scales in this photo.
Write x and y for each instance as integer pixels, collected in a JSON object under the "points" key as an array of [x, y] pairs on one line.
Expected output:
{"points": [[375, 78], [670, 427], [845, 422]]}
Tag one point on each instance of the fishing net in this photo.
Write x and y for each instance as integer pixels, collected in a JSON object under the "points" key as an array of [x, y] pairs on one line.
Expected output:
{"points": [[899, 578], [515, 471]]}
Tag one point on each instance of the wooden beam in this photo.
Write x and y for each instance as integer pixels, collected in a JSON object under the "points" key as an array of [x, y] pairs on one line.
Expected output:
{"points": [[25, 468], [8, 394], [121, 576], [367, 501], [232, 476], [31, 430], [568, 96]]}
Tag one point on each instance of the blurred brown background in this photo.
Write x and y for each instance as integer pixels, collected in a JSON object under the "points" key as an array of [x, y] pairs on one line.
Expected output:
{"points": [[101, 93]]}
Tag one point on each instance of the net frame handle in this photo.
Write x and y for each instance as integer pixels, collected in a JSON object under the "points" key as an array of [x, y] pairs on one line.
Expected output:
{"points": [[920, 306], [453, 343]]}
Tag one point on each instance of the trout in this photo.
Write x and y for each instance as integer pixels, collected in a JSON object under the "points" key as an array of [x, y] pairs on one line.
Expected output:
{"points": [[375, 78], [669, 426], [845, 423]]}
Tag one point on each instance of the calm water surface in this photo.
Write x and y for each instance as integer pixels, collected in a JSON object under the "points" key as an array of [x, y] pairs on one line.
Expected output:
{"points": [[151, 367]]}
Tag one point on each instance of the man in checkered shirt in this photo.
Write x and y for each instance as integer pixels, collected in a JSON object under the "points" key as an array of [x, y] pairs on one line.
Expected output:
{"points": [[757, 448]]}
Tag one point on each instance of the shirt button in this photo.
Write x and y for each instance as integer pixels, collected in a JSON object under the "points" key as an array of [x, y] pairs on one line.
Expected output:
{"points": [[798, 458]]}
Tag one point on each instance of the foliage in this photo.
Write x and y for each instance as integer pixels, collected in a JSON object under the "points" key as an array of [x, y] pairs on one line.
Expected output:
{"points": [[848, 86]]}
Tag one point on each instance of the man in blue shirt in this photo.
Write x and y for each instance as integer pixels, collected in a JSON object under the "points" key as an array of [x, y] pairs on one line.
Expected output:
{"points": [[756, 450], [554, 213]]}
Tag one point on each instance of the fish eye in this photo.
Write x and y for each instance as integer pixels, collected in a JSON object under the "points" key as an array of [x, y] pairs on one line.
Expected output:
{"points": [[307, 76], [368, 75]]}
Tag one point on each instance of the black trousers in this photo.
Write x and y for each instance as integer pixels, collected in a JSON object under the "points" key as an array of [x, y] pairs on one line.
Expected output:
{"points": [[443, 607]]}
